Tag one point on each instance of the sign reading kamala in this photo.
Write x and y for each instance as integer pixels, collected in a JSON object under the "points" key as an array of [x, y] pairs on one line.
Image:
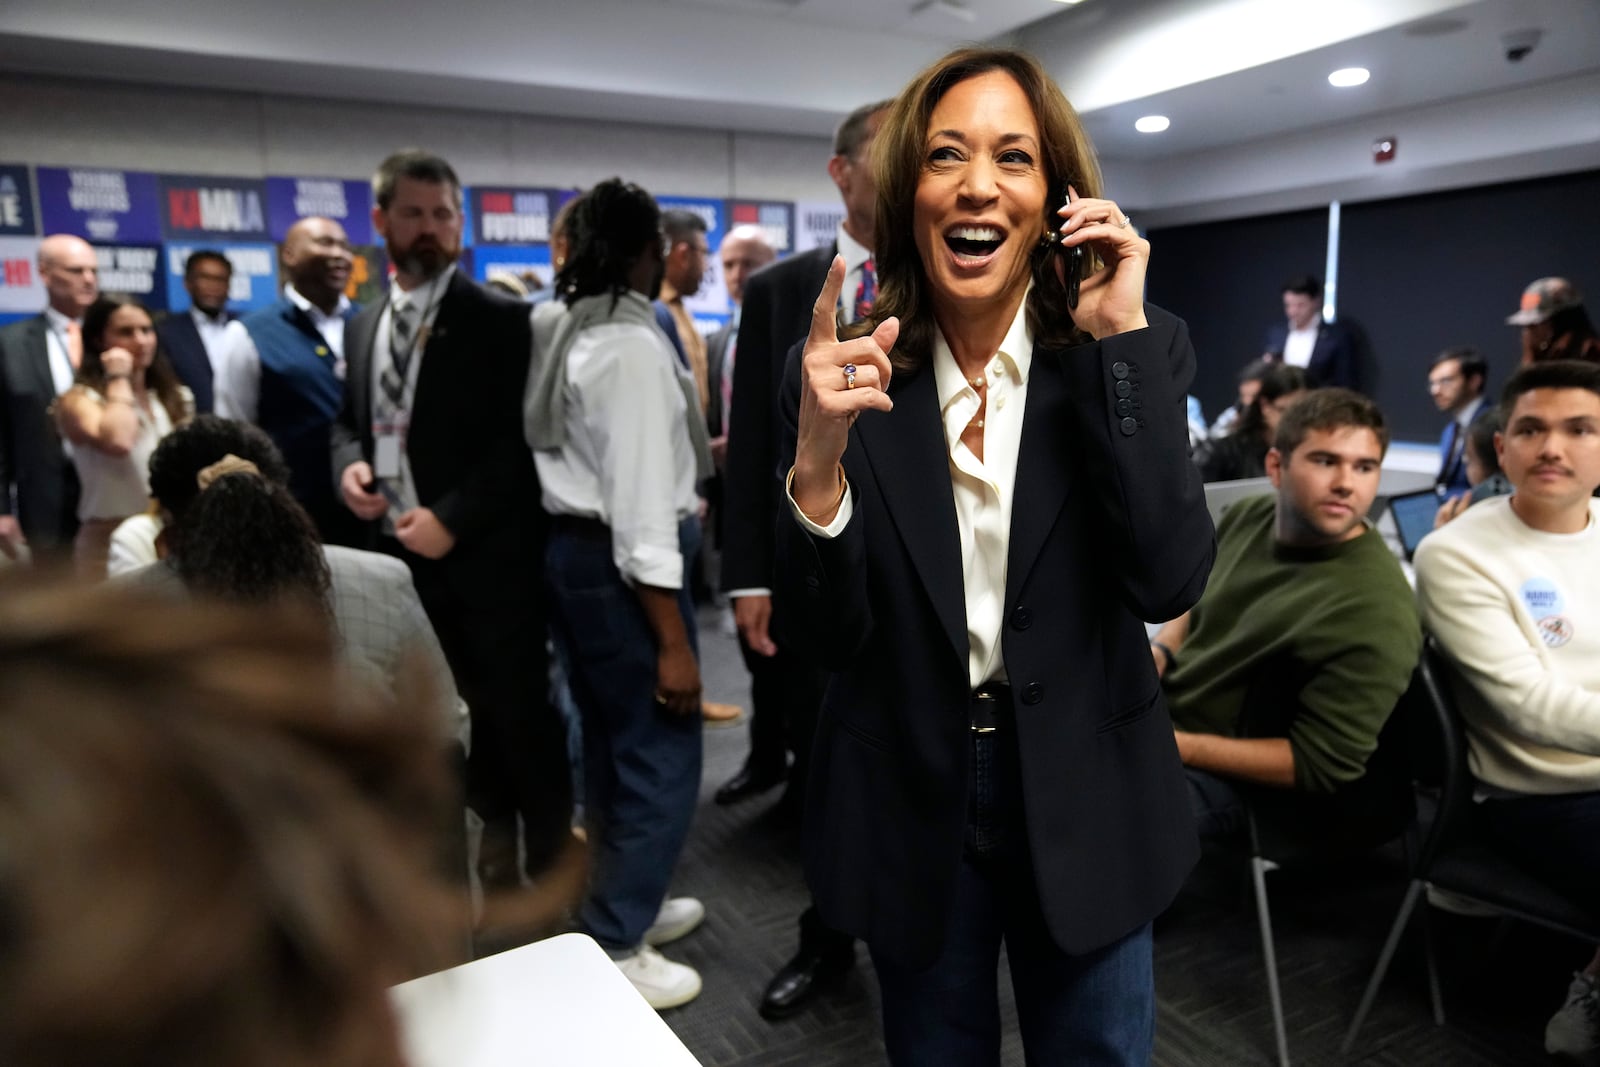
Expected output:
{"points": [[348, 203], [773, 216], [255, 274], [503, 216], [100, 205], [17, 217], [213, 209], [135, 270]]}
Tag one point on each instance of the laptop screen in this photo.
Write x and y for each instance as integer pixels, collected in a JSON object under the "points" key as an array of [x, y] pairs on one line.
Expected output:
{"points": [[1413, 517]]}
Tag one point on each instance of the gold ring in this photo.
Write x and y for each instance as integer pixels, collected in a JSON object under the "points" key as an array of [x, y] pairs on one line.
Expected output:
{"points": [[849, 375], [660, 699]]}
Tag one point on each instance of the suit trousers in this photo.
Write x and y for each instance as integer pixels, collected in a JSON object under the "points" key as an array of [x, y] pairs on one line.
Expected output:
{"points": [[517, 763], [641, 762], [785, 694], [1098, 1008]]}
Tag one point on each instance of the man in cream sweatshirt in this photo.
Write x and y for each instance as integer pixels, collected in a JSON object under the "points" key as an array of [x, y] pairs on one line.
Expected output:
{"points": [[1511, 589]]}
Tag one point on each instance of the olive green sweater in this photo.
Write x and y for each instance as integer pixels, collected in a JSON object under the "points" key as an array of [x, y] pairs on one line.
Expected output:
{"points": [[1314, 644]]}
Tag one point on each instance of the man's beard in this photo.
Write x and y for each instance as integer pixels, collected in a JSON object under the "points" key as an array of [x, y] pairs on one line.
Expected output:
{"points": [[424, 260]]}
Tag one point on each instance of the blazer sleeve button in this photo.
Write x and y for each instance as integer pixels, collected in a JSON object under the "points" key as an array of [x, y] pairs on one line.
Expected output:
{"points": [[1124, 389], [1119, 370], [1129, 426], [1021, 619], [1032, 693]]}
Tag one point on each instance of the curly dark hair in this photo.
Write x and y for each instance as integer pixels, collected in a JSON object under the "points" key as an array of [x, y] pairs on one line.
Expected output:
{"points": [[610, 228], [245, 538], [1277, 381], [160, 378]]}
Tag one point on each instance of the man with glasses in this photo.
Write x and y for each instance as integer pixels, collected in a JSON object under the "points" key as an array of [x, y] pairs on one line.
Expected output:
{"points": [[1456, 379]]}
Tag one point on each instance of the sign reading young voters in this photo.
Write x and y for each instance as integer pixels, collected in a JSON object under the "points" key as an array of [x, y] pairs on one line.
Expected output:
{"points": [[775, 217], [100, 205], [514, 216], [348, 203], [817, 224], [17, 217], [213, 209], [255, 273], [136, 270]]}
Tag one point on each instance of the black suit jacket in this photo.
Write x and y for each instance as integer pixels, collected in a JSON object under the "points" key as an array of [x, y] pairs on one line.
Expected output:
{"points": [[1109, 528], [467, 454], [776, 314], [716, 367], [31, 459], [1335, 360], [180, 339]]}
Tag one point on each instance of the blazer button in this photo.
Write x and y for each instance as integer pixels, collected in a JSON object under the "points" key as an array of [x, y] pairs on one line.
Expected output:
{"points": [[1021, 619], [1119, 370], [1032, 693], [1124, 407], [813, 582], [1124, 388], [1129, 426]]}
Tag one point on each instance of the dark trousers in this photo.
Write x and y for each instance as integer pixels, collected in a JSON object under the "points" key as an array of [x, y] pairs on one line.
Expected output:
{"points": [[1218, 808], [641, 762], [496, 650], [785, 694], [1556, 838], [1097, 1008]]}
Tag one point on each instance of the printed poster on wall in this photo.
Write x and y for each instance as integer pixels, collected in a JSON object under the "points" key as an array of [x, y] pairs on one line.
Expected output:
{"points": [[213, 209], [100, 205], [255, 274], [774, 217], [347, 202], [514, 216], [369, 274], [134, 270], [17, 217], [709, 306], [817, 223], [21, 289], [529, 263]]}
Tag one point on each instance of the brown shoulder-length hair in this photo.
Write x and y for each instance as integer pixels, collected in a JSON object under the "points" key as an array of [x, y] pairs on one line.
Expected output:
{"points": [[160, 378], [899, 156]]}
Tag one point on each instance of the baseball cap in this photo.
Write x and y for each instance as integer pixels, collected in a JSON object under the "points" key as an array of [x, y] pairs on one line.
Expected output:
{"points": [[1544, 298]]}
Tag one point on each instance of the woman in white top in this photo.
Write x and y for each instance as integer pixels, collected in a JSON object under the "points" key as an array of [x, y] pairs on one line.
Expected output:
{"points": [[127, 397]]}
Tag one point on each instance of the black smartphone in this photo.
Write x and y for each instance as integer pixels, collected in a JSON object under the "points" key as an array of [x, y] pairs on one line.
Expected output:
{"points": [[1074, 255]]}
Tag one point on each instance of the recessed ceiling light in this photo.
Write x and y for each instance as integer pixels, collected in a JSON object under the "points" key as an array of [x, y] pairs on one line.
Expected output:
{"points": [[1348, 77], [1069, 3], [1152, 124]]}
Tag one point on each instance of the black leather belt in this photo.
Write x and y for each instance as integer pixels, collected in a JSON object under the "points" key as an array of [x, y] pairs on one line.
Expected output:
{"points": [[990, 707], [580, 526]]}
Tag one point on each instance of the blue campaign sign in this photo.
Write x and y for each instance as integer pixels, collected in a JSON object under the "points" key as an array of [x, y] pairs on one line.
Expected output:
{"points": [[712, 299], [135, 270], [519, 260], [514, 216], [348, 203], [213, 209], [17, 217], [255, 274], [100, 205], [774, 217]]}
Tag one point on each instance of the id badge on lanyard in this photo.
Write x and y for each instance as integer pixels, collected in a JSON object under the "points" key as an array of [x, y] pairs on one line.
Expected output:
{"points": [[388, 443]]}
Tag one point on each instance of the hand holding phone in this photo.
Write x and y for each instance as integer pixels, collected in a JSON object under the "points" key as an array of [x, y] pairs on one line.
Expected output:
{"points": [[1073, 267]]}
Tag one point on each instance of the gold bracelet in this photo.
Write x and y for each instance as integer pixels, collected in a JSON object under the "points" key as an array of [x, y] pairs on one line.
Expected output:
{"points": [[122, 400], [843, 486]]}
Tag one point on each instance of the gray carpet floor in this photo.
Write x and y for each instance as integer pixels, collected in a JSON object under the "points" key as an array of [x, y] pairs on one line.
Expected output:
{"points": [[1501, 981]]}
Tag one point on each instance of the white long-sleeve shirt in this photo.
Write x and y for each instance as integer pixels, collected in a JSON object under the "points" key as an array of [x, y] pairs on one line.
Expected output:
{"points": [[628, 460], [982, 488], [1518, 610]]}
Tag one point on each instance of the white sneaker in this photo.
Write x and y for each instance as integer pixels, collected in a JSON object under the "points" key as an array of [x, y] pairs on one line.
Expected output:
{"points": [[677, 917], [662, 983], [1575, 1029]]}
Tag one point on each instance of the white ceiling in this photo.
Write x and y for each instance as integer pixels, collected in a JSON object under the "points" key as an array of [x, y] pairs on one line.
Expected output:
{"points": [[1225, 71]]}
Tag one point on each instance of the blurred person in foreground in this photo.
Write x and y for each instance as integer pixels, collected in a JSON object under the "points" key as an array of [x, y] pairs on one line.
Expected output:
{"points": [[1554, 323], [210, 851], [990, 490]]}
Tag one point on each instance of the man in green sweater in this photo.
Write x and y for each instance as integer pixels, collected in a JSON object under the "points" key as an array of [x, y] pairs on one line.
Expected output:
{"points": [[1284, 674]]}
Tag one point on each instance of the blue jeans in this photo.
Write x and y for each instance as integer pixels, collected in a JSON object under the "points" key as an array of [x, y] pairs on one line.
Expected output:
{"points": [[1098, 1008], [641, 762]]}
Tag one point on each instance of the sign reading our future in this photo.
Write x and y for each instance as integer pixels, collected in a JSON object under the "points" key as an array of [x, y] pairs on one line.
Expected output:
{"points": [[513, 216]]}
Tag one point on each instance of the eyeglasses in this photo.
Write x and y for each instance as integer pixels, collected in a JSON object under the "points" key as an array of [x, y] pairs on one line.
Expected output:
{"points": [[1442, 381]]}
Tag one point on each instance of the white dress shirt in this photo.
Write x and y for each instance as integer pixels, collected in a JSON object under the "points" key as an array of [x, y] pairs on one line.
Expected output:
{"points": [[61, 370], [426, 298], [237, 386], [983, 489], [1300, 344], [212, 332], [628, 460]]}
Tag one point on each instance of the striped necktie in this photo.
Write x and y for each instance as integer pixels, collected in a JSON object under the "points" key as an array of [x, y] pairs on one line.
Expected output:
{"points": [[402, 343]]}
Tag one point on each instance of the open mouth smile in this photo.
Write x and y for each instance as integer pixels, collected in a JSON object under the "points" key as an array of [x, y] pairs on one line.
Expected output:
{"points": [[973, 245]]}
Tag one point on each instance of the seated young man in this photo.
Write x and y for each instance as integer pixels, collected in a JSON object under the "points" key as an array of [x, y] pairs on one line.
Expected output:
{"points": [[1286, 671], [1511, 589]]}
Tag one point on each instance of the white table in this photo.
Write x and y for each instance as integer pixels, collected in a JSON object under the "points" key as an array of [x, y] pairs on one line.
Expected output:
{"points": [[551, 1003]]}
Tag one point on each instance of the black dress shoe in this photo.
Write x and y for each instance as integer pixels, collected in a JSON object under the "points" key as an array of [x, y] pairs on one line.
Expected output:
{"points": [[746, 784], [800, 979]]}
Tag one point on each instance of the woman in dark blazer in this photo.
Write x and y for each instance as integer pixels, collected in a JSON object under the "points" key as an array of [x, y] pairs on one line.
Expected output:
{"points": [[991, 491]]}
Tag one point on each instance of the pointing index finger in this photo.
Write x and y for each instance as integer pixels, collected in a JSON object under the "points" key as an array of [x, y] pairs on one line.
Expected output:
{"points": [[824, 313]]}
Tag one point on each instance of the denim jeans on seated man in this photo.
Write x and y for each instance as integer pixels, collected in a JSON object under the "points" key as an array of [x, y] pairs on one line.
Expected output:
{"points": [[642, 763], [1098, 1008]]}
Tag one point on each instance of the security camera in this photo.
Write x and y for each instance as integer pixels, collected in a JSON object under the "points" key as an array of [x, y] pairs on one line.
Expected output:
{"points": [[1518, 43]]}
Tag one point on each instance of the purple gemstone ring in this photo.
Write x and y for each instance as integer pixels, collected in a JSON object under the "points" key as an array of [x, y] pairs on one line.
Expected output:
{"points": [[849, 375]]}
